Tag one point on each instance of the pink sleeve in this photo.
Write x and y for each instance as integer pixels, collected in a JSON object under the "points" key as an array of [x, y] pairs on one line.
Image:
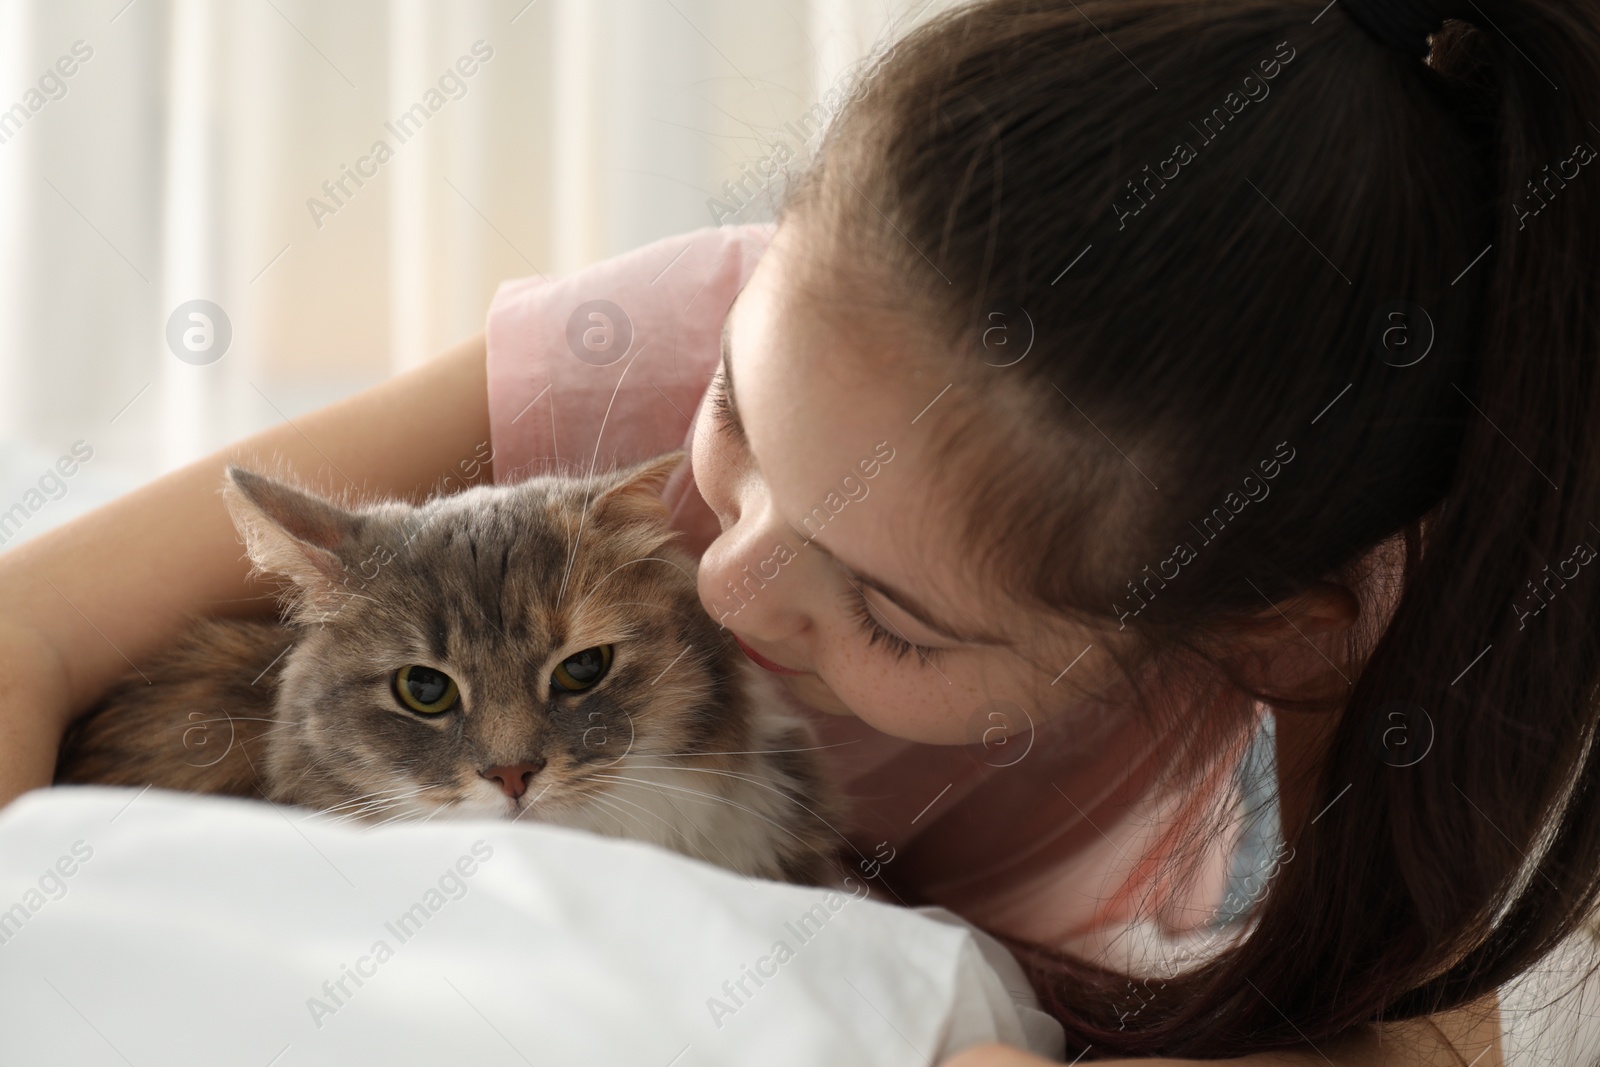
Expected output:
{"points": [[606, 366]]}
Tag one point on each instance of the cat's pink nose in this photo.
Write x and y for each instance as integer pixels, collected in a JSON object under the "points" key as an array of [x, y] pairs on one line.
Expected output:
{"points": [[514, 779]]}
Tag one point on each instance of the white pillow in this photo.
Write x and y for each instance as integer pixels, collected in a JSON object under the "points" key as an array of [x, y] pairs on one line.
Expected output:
{"points": [[163, 928]]}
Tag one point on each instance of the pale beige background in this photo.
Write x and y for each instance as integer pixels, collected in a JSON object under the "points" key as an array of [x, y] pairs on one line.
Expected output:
{"points": [[180, 160]]}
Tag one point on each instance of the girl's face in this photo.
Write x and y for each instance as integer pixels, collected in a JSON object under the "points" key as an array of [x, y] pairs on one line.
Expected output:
{"points": [[835, 564]]}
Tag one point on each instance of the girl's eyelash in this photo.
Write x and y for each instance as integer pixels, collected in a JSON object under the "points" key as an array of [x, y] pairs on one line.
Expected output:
{"points": [[722, 409], [893, 643]]}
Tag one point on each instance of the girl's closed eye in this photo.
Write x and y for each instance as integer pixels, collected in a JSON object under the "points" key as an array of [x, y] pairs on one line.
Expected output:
{"points": [[894, 643], [722, 409]]}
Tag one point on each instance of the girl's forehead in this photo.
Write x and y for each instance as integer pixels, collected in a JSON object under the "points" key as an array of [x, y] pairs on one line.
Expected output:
{"points": [[853, 440], [807, 326]]}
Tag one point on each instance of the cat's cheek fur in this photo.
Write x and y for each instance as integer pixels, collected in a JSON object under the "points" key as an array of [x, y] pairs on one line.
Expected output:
{"points": [[722, 807], [684, 743]]}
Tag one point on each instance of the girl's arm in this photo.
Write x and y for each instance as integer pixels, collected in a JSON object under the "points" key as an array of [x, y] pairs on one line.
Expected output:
{"points": [[88, 602]]}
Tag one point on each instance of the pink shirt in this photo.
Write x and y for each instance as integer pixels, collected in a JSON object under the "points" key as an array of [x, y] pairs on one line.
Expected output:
{"points": [[1057, 841]]}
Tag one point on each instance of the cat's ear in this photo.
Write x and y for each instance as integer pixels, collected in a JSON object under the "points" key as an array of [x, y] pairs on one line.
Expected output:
{"points": [[636, 494], [290, 532]]}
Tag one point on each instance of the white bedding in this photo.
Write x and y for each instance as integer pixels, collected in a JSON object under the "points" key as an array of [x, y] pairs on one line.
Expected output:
{"points": [[160, 928]]}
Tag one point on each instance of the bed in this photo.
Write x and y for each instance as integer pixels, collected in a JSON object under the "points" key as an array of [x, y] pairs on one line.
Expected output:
{"points": [[151, 927]]}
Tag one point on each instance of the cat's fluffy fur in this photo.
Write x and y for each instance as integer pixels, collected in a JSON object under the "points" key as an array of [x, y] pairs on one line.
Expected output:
{"points": [[683, 742]]}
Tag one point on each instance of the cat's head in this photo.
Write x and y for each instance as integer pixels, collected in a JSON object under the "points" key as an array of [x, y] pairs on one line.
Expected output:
{"points": [[502, 650]]}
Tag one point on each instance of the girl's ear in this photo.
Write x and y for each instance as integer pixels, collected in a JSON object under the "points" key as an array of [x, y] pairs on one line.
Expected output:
{"points": [[290, 532], [636, 494], [1322, 607], [1288, 645]]}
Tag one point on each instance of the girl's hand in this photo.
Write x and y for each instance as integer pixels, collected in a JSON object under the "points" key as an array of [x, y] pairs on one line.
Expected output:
{"points": [[87, 602]]}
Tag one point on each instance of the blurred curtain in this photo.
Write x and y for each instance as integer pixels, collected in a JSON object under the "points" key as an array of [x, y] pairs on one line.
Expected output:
{"points": [[344, 185]]}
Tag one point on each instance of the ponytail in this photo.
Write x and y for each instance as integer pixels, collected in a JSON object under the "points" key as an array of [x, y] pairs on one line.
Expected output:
{"points": [[1430, 881], [1221, 300]]}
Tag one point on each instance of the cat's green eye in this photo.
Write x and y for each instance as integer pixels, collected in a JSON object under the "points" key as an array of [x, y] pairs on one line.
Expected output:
{"points": [[425, 690], [582, 670]]}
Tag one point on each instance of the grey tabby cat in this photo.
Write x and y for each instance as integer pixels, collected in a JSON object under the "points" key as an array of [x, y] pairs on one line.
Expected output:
{"points": [[530, 651]]}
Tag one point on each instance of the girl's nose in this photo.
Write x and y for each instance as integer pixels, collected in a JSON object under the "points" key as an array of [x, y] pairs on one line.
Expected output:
{"points": [[760, 595]]}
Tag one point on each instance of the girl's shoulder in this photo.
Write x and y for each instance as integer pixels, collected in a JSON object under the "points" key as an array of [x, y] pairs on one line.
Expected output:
{"points": [[605, 366]]}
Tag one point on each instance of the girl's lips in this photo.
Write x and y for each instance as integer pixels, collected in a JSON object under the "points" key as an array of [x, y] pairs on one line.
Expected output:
{"points": [[764, 662]]}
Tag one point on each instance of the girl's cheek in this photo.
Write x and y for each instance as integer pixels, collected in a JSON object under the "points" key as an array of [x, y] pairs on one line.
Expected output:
{"points": [[889, 696], [909, 711], [919, 705]]}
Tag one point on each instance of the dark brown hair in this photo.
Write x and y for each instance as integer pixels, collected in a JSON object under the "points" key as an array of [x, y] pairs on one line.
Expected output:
{"points": [[1210, 216]]}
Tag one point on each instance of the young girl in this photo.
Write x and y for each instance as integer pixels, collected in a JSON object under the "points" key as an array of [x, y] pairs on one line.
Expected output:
{"points": [[1119, 373]]}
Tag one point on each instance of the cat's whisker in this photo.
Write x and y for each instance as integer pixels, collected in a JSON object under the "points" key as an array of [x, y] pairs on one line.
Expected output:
{"points": [[359, 821], [642, 559], [746, 752], [366, 806], [404, 788], [410, 810], [351, 816], [371, 811], [275, 730], [387, 791], [311, 766], [757, 782], [728, 860], [272, 731], [378, 796], [613, 797], [406, 814], [752, 779], [611, 803], [438, 810], [343, 820], [206, 722], [583, 515], [644, 782]]}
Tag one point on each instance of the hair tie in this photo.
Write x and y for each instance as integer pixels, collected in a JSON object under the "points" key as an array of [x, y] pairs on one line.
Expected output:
{"points": [[1402, 24]]}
